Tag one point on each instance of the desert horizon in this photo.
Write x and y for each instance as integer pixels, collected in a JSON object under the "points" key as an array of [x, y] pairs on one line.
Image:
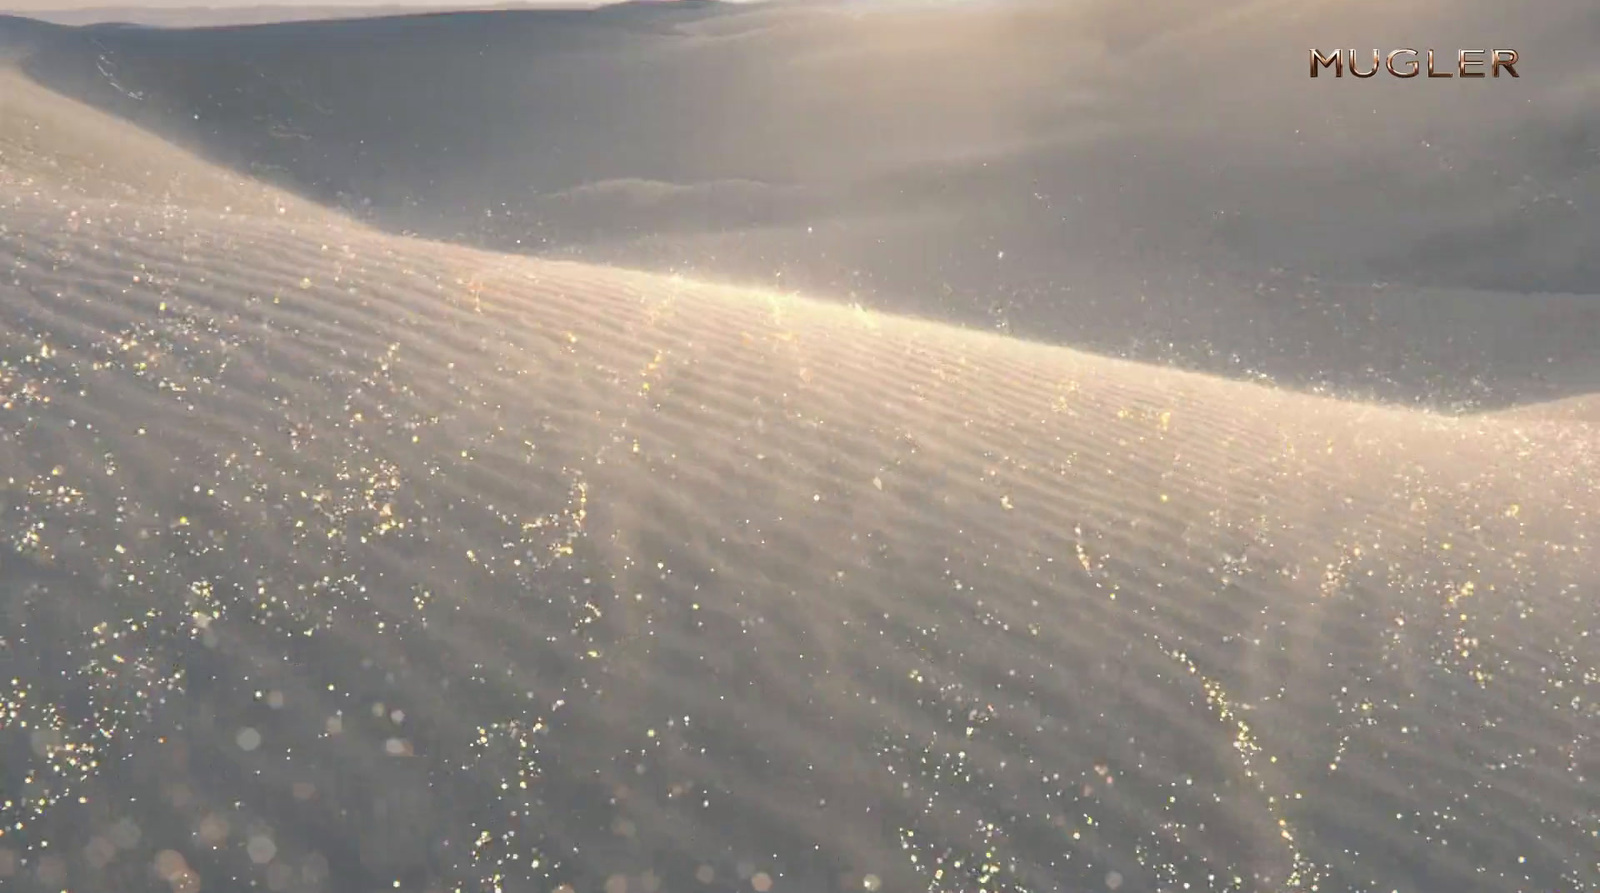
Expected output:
{"points": [[933, 447], [190, 14]]}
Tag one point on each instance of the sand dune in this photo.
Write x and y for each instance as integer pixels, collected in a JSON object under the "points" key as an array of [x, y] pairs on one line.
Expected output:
{"points": [[1162, 184], [183, 14], [1573, 409], [341, 560]]}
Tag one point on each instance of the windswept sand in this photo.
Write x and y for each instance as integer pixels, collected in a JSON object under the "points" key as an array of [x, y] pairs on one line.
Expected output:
{"points": [[1158, 181], [339, 560]]}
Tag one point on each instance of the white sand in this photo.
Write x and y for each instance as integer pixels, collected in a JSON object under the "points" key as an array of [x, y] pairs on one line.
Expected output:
{"points": [[341, 560], [1156, 181]]}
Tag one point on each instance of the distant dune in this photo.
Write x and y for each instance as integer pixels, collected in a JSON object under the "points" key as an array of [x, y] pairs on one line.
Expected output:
{"points": [[187, 15], [340, 559], [1165, 185]]}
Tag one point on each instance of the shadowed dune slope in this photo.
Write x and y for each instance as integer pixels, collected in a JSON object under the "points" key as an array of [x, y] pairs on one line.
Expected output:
{"points": [[341, 561], [1161, 182]]}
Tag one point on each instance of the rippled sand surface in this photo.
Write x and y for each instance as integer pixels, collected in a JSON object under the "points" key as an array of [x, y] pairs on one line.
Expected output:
{"points": [[337, 560]]}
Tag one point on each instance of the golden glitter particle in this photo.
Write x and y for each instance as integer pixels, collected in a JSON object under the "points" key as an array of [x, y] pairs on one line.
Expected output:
{"points": [[872, 883], [705, 874], [213, 830], [762, 882], [1113, 880], [617, 884], [44, 741], [169, 865]]}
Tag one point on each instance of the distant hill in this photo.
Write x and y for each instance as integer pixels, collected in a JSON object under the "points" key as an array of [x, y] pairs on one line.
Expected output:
{"points": [[178, 15], [1087, 174]]}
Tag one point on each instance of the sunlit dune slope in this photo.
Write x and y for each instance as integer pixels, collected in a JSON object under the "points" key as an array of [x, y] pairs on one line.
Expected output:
{"points": [[336, 560], [1573, 409], [1156, 181], [55, 152]]}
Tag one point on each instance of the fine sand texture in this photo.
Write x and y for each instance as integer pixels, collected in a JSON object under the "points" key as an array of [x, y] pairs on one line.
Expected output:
{"points": [[1159, 181], [338, 559]]}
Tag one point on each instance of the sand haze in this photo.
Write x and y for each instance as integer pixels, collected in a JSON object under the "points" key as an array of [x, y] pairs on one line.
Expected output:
{"points": [[801, 447]]}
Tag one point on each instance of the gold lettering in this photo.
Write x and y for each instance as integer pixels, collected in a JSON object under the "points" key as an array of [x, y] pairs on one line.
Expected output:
{"points": [[1506, 59], [1334, 61], [1436, 74], [1377, 64], [1408, 73]]}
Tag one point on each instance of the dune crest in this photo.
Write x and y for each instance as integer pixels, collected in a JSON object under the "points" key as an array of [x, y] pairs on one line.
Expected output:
{"points": [[1584, 410], [56, 150], [1081, 173], [338, 560]]}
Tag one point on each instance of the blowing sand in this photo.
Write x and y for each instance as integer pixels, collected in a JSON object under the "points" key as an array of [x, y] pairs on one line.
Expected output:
{"points": [[342, 560], [1160, 183]]}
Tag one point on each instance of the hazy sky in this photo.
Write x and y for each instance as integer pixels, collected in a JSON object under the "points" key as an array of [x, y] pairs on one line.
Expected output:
{"points": [[58, 5]]}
